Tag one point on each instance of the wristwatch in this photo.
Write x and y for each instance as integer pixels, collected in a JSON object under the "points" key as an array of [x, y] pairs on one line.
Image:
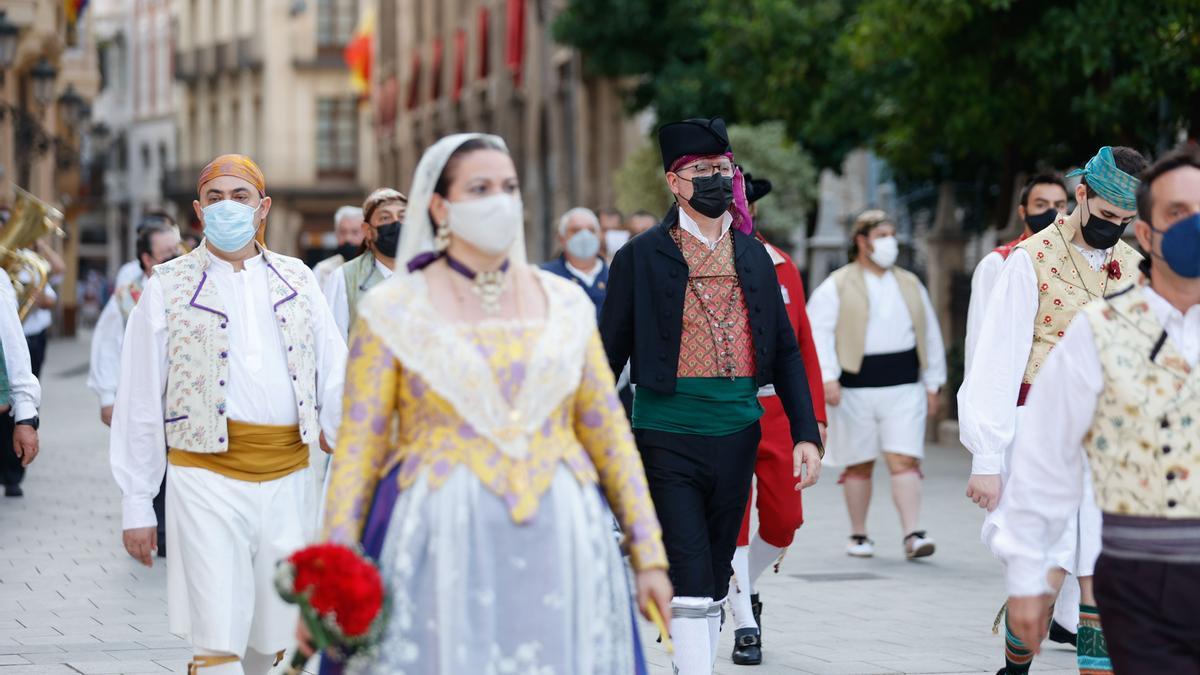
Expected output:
{"points": [[31, 421]]}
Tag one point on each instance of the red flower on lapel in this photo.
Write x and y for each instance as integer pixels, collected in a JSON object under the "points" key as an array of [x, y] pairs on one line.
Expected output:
{"points": [[1114, 269]]}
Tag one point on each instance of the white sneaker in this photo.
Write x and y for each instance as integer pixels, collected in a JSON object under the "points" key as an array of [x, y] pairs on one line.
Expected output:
{"points": [[860, 546], [917, 545]]}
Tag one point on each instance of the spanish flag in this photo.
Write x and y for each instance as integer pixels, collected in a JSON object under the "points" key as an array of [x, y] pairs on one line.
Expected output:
{"points": [[73, 9], [359, 50]]}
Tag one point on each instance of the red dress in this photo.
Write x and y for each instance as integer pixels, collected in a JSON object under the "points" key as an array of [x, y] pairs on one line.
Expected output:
{"points": [[780, 511]]}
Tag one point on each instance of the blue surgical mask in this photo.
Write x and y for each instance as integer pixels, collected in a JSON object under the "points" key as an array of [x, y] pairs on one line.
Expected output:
{"points": [[1181, 247], [584, 244], [229, 225]]}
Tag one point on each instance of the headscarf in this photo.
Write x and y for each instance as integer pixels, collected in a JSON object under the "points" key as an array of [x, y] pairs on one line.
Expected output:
{"points": [[238, 166], [741, 207], [416, 248], [379, 198], [1111, 183]]}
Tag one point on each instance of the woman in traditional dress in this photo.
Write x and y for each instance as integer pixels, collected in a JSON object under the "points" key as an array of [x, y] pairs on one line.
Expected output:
{"points": [[483, 443]]}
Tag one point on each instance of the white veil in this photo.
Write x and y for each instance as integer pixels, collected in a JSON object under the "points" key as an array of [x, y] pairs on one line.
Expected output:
{"points": [[416, 237]]}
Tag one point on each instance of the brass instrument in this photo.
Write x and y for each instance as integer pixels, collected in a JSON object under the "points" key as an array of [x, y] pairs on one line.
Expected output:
{"points": [[31, 219]]}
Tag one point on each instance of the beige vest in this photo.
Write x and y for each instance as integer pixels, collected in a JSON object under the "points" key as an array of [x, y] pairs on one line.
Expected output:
{"points": [[854, 310], [361, 276], [1067, 283], [1144, 443], [198, 348]]}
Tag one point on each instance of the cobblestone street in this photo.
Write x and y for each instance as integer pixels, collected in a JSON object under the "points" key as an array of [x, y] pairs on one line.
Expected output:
{"points": [[72, 601]]}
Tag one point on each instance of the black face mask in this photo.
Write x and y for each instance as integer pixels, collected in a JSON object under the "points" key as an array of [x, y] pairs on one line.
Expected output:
{"points": [[1100, 233], [1041, 221], [348, 251], [712, 195], [387, 238]]}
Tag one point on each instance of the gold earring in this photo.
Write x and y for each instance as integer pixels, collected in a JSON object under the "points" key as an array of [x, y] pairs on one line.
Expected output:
{"points": [[441, 240]]}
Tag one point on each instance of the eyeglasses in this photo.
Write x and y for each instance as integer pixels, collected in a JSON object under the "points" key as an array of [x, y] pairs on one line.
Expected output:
{"points": [[706, 169]]}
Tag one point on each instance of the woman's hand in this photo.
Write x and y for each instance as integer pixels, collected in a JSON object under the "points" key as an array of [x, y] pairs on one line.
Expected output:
{"points": [[654, 586]]}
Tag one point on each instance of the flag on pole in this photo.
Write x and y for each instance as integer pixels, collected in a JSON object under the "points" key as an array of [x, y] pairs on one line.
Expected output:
{"points": [[73, 9], [358, 53]]}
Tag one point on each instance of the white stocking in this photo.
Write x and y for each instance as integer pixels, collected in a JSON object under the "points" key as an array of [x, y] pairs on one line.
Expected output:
{"points": [[762, 556], [689, 632], [714, 631], [740, 589], [257, 663]]}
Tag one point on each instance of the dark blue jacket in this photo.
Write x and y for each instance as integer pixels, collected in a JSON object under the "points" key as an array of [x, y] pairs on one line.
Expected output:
{"points": [[597, 291]]}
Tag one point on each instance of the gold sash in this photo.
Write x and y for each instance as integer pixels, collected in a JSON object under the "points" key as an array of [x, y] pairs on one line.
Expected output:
{"points": [[257, 453]]}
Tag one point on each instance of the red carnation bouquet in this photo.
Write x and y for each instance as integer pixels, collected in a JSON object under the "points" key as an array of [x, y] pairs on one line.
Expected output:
{"points": [[341, 598]]}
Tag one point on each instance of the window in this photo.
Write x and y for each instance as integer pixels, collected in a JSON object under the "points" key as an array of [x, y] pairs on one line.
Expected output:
{"points": [[337, 137], [146, 156], [335, 22]]}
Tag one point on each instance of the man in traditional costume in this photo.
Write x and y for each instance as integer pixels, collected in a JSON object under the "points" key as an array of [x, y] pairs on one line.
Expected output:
{"points": [[383, 212], [694, 304], [779, 506], [580, 262], [157, 242], [231, 360], [1046, 280], [1121, 391], [883, 364], [349, 231]]}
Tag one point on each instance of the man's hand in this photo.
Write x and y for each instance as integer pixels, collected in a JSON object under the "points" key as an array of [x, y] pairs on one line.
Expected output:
{"points": [[325, 444], [654, 586], [984, 490], [141, 543], [1029, 619], [934, 402], [25, 443], [807, 456], [106, 415], [833, 393]]}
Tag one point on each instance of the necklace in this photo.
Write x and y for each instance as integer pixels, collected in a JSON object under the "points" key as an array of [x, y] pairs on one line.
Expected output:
{"points": [[488, 286]]}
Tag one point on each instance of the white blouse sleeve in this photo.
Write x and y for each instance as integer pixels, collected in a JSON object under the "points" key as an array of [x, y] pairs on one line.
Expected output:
{"points": [[335, 296], [823, 309], [983, 280], [24, 388], [329, 336]]}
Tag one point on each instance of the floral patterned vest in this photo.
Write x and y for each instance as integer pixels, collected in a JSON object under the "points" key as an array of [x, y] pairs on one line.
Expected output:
{"points": [[1067, 283], [198, 348], [1144, 444], [716, 339]]}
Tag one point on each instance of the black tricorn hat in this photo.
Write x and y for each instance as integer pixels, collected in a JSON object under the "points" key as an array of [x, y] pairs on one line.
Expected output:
{"points": [[756, 188], [692, 137]]}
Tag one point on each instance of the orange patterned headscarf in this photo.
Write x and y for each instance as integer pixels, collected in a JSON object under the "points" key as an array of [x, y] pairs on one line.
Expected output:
{"points": [[238, 166]]}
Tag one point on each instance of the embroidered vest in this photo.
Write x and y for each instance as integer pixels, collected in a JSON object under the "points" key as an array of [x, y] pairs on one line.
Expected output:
{"points": [[361, 276], [854, 310], [716, 339], [1067, 283], [1144, 443], [198, 348]]}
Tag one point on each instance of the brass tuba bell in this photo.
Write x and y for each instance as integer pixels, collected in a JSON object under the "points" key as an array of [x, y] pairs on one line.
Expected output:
{"points": [[31, 219]]}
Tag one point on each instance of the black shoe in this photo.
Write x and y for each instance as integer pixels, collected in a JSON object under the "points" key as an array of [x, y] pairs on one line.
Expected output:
{"points": [[747, 647], [13, 490], [756, 610], [1061, 635]]}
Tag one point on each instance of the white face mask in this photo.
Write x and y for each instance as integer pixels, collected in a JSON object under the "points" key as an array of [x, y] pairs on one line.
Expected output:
{"points": [[489, 224], [584, 244], [885, 251]]}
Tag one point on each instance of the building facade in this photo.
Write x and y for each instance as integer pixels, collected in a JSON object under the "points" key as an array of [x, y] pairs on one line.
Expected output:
{"points": [[267, 79], [445, 66]]}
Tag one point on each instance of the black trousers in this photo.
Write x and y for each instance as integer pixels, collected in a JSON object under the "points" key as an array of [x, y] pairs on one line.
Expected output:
{"points": [[700, 485], [11, 471], [1150, 612], [37, 351]]}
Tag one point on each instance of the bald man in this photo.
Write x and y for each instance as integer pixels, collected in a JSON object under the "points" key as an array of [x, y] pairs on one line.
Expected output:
{"points": [[233, 362]]}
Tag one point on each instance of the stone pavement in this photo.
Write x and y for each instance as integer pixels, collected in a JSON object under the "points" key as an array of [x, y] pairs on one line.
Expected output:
{"points": [[72, 601]]}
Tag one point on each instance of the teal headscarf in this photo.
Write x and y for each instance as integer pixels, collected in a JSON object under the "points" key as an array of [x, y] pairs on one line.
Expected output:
{"points": [[1112, 184]]}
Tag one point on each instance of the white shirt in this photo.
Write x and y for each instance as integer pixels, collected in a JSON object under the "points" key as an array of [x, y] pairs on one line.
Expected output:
{"points": [[987, 401], [259, 388], [128, 273], [335, 295], [688, 225], [1048, 459], [104, 372], [983, 280], [24, 388], [889, 327], [588, 278]]}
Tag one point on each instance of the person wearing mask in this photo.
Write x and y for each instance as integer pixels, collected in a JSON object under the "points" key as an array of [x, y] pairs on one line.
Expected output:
{"points": [[694, 305], [612, 229], [883, 365], [780, 512], [350, 230], [1114, 406], [233, 362], [131, 271], [1046, 280], [580, 262], [383, 212]]}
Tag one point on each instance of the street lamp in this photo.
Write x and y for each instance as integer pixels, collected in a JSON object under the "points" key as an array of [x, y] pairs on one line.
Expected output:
{"points": [[72, 106], [43, 75], [8, 42]]}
